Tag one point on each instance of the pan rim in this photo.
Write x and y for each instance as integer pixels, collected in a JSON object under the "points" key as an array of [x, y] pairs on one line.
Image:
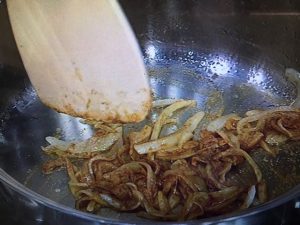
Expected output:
{"points": [[26, 192]]}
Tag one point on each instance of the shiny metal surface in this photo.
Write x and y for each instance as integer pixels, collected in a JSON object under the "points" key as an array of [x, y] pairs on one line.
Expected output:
{"points": [[229, 56]]}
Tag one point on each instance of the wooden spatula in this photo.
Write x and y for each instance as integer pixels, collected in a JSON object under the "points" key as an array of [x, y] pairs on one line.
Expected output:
{"points": [[82, 58]]}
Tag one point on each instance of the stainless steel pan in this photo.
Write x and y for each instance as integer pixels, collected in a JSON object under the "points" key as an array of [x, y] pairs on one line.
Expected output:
{"points": [[229, 56]]}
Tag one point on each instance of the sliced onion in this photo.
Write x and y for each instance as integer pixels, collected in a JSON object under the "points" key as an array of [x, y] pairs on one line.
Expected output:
{"points": [[184, 138], [155, 213], [230, 138], [122, 173], [217, 207], [138, 137], [262, 191], [163, 203], [201, 197], [187, 207], [59, 144], [173, 200], [249, 140], [175, 153], [136, 194], [80, 201], [73, 179], [96, 158], [169, 183], [91, 206], [151, 178], [112, 202], [188, 182], [249, 198], [198, 182], [71, 171], [211, 177], [253, 112], [198, 198], [225, 194], [196, 213], [224, 171], [78, 184], [96, 144], [166, 113], [81, 149], [51, 165], [283, 129], [108, 127], [167, 189], [241, 152], [171, 121], [156, 145], [273, 138], [261, 116], [178, 172], [267, 148], [191, 123], [172, 140], [220, 122], [164, 102], [182, 178], [93, 196]]}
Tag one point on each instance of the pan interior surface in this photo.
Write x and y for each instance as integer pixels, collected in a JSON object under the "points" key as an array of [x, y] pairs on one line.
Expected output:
{"points": [[220, 82]]}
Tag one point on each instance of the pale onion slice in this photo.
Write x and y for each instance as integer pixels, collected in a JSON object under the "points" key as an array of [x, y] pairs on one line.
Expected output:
{"points": [[225, 193], [249, 198], [91, 206], [111, 201], [253, 112], [92, 195], [77, 149], [98, 144], [156, 145], [172, 140], [184, 138], [164, 102], [55, 142], [274, 138], [219, 123], [166, 113], [140, 136]]}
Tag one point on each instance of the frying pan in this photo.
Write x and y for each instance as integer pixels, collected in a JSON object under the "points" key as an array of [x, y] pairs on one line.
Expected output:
{"points": [[229, 57]]}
